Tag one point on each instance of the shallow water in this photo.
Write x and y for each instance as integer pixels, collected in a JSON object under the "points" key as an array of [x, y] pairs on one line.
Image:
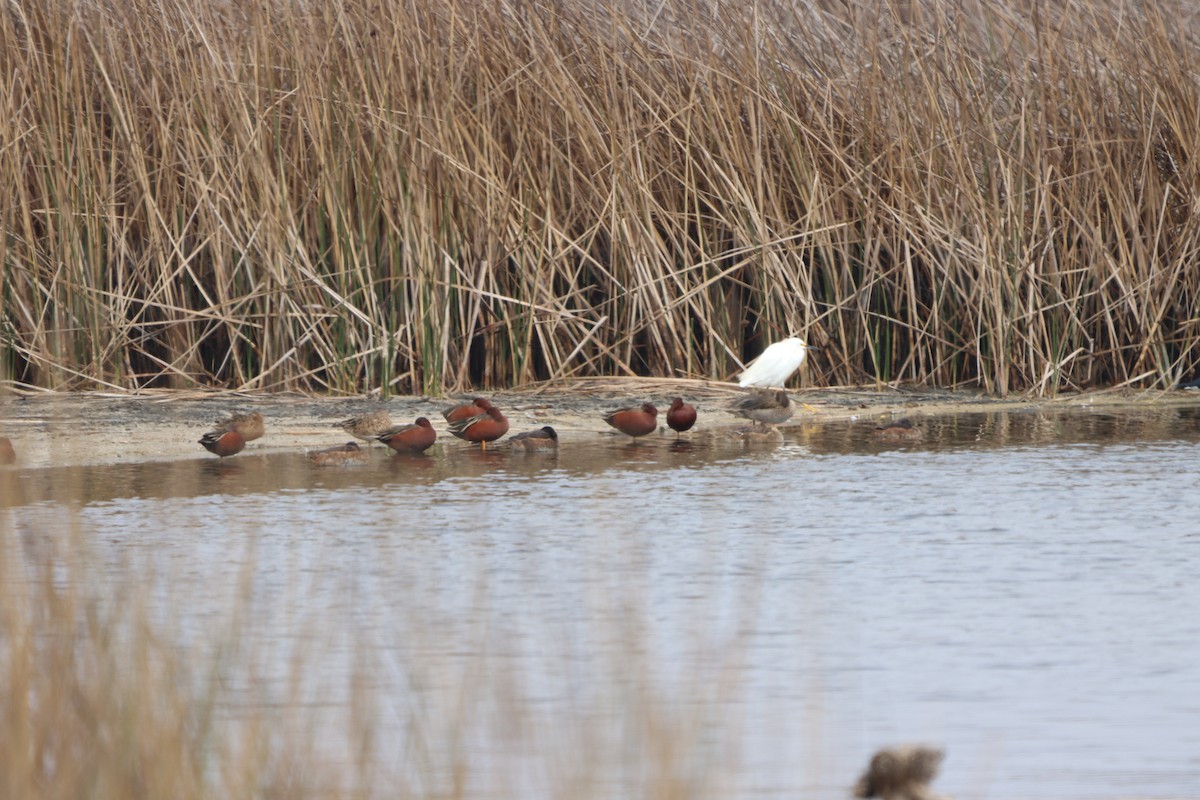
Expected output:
{"points": [[1018, 588]]}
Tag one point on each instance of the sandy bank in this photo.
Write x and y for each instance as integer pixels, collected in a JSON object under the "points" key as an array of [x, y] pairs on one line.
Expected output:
{"points": [[97, 428]]}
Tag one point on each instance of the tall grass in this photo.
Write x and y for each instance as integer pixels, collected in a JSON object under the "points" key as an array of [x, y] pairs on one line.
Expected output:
{"points": [[412, 195], [99, 701], [117, 681]]}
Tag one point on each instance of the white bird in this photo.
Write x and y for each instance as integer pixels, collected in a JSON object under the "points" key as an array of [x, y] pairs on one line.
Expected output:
{"points": [[775, 364]]}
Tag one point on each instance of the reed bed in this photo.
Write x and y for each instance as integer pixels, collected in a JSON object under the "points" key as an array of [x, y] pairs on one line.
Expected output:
{"points": [[420, 196]]}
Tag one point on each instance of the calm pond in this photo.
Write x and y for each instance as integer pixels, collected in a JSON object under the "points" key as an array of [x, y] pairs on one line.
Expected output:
{"points": [[749, 621]]}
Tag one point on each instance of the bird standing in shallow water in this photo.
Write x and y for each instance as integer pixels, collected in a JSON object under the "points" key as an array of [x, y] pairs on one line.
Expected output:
{"points": [[680, 416], [765, 407], [366, 426], [223, 443], [634, 421], [482, 428], [775, 365], [478, 406], [415, 438], [249, 426], [544, 438]]}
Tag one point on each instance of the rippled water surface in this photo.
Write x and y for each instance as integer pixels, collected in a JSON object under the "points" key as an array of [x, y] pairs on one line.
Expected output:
{"points": [[1020, 589]]}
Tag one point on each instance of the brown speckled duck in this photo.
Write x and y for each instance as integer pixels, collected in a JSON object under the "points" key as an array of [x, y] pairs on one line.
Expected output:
{"points": [[340, 456], [248, 425], [766, 407], [367, 426]]}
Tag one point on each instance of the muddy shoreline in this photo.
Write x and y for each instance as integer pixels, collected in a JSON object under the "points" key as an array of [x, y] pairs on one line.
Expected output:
{"points": [[77, 429]]}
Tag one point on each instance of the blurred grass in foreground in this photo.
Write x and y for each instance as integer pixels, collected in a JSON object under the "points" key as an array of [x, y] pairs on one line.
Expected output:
{"points": [[115, 685]]}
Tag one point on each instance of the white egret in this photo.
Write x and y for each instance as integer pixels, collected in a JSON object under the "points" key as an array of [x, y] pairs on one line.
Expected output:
{"points": [[775, 365]]}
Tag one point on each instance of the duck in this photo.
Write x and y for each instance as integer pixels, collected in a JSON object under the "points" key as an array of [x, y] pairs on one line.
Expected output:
{"points": [[634, 421], [367, 426], [901, 773], [900, 430], [248, 425], [342, 455], [681, 416], [477, 406], [223, 443], [482, 428], [765, 407], [544, 438], [415, 438]]}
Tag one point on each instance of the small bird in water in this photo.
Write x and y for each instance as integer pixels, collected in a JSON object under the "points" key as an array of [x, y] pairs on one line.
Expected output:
{"points": [[634, 421], [7, 454], [367, 426], [680, 416], [544, 438], [482, 428], [775, 365], [901, 773], [415, 438], [766, 407], [249, 426], [342, 455], [223, 443], [477, 406], [901, 429]]}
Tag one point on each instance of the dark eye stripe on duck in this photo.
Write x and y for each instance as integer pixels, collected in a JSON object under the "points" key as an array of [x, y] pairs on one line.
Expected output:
{"points": [[414, 438], [634, 421]]}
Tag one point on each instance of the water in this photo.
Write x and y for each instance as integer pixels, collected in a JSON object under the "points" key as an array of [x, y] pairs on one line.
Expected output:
{"points": [[1016, 588]]}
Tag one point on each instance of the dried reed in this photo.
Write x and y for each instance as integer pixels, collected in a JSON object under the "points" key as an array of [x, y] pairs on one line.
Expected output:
{"points": [[109, 689], [423, 196]]}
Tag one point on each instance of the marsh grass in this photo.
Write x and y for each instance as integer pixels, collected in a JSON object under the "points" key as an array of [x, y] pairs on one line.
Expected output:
{"points": [[100, 701], [422, 196], [120, 678]]}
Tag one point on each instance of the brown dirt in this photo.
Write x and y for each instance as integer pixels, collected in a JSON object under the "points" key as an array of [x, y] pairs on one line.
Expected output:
{"points": [[96, 428]]}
